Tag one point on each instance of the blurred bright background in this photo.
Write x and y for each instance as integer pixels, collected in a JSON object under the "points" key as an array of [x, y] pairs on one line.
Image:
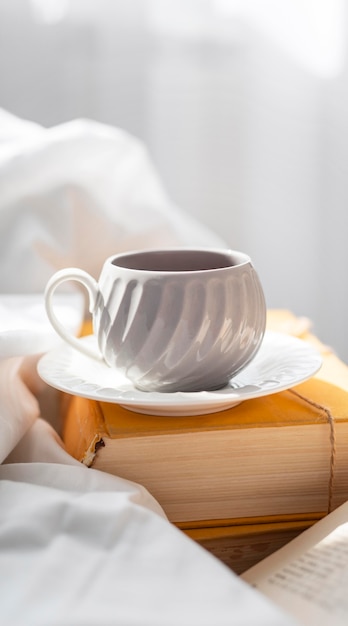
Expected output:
{"points": [[243, 106]]}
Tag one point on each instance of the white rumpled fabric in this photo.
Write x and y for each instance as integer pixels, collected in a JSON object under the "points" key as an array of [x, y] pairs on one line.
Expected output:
{"points": [[74, 194], [78, 546]]}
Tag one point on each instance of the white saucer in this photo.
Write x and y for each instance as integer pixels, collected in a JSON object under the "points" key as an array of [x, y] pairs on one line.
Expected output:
{"points": [[282, 362]]}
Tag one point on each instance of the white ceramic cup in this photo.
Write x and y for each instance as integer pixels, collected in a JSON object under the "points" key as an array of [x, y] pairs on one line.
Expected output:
{"points": [[179, 319]]}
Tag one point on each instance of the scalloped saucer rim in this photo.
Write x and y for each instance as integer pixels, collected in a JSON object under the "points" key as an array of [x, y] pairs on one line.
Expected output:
{"points": [[282, 361]]}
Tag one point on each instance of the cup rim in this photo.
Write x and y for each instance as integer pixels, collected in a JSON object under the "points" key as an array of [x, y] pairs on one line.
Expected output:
{"points": [[241, 259]]}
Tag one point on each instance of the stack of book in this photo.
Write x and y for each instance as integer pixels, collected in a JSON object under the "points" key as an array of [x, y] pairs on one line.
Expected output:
{"points": [[243, 481]]}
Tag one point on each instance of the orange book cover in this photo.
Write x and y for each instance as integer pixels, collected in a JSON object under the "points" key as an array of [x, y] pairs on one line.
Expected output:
{"points": [[277, 455]]}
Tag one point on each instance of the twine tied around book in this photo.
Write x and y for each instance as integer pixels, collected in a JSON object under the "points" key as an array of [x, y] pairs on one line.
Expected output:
{"points": [[331, 422]]}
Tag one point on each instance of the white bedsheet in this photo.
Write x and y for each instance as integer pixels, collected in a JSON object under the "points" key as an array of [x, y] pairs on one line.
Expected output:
{"points": [[82, 547], [79, 547]]}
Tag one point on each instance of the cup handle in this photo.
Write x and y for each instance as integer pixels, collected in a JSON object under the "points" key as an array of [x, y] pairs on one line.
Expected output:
{"points": [[91, 285]]}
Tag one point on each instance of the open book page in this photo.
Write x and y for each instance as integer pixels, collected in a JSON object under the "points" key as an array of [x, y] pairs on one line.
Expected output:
{"points": [[309, 576]]}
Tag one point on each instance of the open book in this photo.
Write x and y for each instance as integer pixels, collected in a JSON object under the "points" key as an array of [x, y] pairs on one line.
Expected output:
{"points": [[309, 576]]}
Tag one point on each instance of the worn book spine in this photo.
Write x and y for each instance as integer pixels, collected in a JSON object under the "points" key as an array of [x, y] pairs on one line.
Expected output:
{"points": [[299, 438], [231, 464]]}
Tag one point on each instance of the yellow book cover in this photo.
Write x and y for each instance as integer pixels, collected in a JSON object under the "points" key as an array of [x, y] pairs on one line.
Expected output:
{"points": [[281, 454], [243, 481], [271, 456]]}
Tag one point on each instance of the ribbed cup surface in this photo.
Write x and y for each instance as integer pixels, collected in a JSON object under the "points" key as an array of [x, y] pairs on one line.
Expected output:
{"points": [[183, 332]]}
